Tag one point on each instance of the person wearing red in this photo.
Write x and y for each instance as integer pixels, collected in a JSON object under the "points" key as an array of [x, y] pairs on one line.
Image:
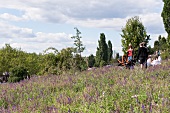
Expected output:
{"points": [[130, 52]]}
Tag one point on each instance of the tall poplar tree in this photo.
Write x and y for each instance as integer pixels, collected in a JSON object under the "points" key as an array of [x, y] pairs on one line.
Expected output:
{"points": [[110, 51], [166, 18], [102, 51]]}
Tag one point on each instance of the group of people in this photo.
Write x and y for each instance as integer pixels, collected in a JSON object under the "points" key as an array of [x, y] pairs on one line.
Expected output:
{"points": [[142, 56], [153, 61]]}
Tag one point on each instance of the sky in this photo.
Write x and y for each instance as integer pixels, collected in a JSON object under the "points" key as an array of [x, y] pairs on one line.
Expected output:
{"points": [[35, 25]]}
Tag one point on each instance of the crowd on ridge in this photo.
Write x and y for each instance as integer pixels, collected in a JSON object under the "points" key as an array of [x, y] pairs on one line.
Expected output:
{"points": [[143, 58]]}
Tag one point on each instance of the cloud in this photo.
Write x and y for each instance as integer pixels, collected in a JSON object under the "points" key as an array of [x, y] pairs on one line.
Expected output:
{"points": [[10, 31], [89, 13], [153, 22], [106, 14], [28, 40], [6, 16], [63, 10]]}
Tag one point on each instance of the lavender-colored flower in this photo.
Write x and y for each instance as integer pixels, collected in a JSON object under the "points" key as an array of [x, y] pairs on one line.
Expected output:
{"points": [[69, 111], [143, 108]]}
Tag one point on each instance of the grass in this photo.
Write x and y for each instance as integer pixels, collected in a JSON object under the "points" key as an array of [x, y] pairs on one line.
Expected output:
{"points": [[102, 90]]}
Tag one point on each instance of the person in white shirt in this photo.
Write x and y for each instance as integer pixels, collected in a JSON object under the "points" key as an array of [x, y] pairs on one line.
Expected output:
{"points": [[155, 61], [149, 61], [159, 59]]}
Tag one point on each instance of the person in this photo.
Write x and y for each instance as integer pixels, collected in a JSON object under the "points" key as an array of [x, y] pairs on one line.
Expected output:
{"points": [[157, 53], [159, 58], [149, 60], [142, 55], [130, 52], [144, 44], [155, 61]]}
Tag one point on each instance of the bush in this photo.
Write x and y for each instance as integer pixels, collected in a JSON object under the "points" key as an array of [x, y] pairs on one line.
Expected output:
{"points": [[102, 63], [17, 74], [165, 55], [14, 79]]}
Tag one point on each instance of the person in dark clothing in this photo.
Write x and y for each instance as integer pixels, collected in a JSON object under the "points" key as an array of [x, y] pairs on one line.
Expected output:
{"points": [[144, 44], [142, 55]]}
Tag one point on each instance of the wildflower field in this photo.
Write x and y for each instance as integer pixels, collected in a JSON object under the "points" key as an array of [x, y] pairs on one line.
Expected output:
{"points": [[102, 90]]}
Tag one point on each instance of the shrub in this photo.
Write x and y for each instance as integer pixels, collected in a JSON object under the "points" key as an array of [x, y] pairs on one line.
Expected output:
{"points": [[17, 74], [102, 63], [165, 55]]}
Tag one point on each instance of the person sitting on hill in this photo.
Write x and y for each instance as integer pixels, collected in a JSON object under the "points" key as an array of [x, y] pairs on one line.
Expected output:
{"points": [[159, 58], [155, 61], [149, 60]]}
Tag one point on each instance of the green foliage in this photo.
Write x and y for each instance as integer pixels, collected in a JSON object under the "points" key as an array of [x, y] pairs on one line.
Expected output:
{"points": [[133, 33], [49, 61], [117, 55], [161, 44], [91, 61], [9, 58], [33, 63], [18, 73], [166, 20], [151, 50], [156, 45], [12, 57], [166, 16], [83, 65], [110, 51], [103, 63], [78, 43], [65, 59], [79, 63], [102, 51], [165, 55]]}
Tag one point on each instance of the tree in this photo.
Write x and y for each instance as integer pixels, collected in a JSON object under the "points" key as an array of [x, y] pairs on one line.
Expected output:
{"points": [[156, 45], [50, 60], [162, 43], [18, 73], [65, 59], [11, 57], [166, 17], [78, 43], [110, 51], [151, 50], [117, 55], [102, 51], [91, 60], [133, 33], [166, 20]]}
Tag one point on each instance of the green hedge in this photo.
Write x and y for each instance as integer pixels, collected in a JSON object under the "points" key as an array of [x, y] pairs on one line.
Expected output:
{"points": [[17, 74]]}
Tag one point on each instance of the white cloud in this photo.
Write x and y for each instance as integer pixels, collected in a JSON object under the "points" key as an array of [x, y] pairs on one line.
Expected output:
{"points": [[63, 10], [10, 31], [37, 42], [153, 22], [89, 13], [7, 16], [106, 14]]}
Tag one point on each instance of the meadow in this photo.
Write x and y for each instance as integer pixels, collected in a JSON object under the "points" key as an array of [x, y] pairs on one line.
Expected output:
{"points": [[109, 89]]}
